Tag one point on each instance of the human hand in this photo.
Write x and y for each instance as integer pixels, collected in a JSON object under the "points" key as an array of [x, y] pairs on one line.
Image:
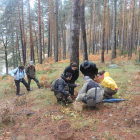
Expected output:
{"points": [[15, 77], [77, 84]]}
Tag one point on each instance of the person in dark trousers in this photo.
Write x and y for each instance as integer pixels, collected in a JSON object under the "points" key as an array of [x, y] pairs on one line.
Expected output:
{"points": [[74, 70], [61, 90], [110, 86], [31, 74], [88, 89], [19, 75], [89, 69]]}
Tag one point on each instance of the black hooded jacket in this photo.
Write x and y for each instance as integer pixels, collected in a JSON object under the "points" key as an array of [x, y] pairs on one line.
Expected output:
{"points": [[68, 82], [91, 71], [75, 73], [61, 87]]}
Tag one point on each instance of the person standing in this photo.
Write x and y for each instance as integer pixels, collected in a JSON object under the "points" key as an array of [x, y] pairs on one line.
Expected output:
{"points": [[89, 69], [19, 75], [31, 74], [74, 70]]}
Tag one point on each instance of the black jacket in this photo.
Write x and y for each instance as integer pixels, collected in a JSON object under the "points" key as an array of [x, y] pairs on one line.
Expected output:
{"points": [[91, 71], [75, 74], [30, 71], [92, 84], [68, 82], [60, 87]]}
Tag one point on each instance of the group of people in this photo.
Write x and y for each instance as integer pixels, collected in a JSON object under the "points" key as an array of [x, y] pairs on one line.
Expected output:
{"points": [[91, 91], [19, 73]]}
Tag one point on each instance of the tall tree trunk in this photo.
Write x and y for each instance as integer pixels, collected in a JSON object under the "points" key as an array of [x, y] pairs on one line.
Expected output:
{"points": [[56, 30], [114, 32], [93, 35], [50, 28], [89, 48], [70, 24], [124, 28], [74, 35], [103, 34], [131, 30], [24, 39], [49, 47], [17, 45], [108, 28], [64, 39], [32, 57], [39, 33], [21, 34], [85, 55]]}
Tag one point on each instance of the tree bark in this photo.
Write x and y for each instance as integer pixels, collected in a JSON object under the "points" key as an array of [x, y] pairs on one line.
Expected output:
{"points": [[131, 30], [114, 32], [74, 35], [93, 35], [32, 57], [56, 30], [103, 34], [39, 33], [85, 55]]}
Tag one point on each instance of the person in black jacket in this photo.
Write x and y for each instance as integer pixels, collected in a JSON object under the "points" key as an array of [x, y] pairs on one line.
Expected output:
{"points": [[74, 70], [31, 74], [61, 90], [89, 69]]}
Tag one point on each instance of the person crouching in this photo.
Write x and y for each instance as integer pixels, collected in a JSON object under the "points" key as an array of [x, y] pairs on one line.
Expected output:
{"points": [[62, 90], [90, 89]]}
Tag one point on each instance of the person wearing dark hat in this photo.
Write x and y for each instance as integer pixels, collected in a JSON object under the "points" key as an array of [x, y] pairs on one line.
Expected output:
{"points": [[31, 74], [19, 75], [89, 69], [61, 90], [74, 70]]}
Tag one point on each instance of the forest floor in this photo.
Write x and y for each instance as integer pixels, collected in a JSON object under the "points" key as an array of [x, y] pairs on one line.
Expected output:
{"points": [[35, 115]]}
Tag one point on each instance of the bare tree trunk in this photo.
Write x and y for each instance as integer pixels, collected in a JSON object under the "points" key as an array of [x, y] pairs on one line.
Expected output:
{"points": [[39, 33], [49, 48], [74, 37], [24, 40], [32, 57], [89, 48], [103, 34], [50, 31], [85, 55], [21, 35], [124, 28], [56, 30], [17, 45], [64, 39], [93, 35], [114, 32], [131, 30]]}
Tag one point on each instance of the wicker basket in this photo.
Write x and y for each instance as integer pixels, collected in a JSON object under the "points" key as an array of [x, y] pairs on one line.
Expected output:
{"points": [[78, 106], [64, 130]]}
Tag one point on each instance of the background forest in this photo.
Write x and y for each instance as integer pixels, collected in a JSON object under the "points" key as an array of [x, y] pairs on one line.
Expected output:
{"points": [[59, 29]]}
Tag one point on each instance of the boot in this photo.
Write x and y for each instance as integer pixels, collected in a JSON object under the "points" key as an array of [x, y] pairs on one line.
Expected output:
{"points": [[63, 103], [69, 99]]}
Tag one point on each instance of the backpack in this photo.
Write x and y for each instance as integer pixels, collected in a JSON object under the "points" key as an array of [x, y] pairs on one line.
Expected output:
{"points": [[52, 87], [17, 70], [90, 100]]}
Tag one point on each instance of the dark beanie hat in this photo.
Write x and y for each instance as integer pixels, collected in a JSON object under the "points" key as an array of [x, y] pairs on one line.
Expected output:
{"points": [[68, 74], [21, 67]]}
